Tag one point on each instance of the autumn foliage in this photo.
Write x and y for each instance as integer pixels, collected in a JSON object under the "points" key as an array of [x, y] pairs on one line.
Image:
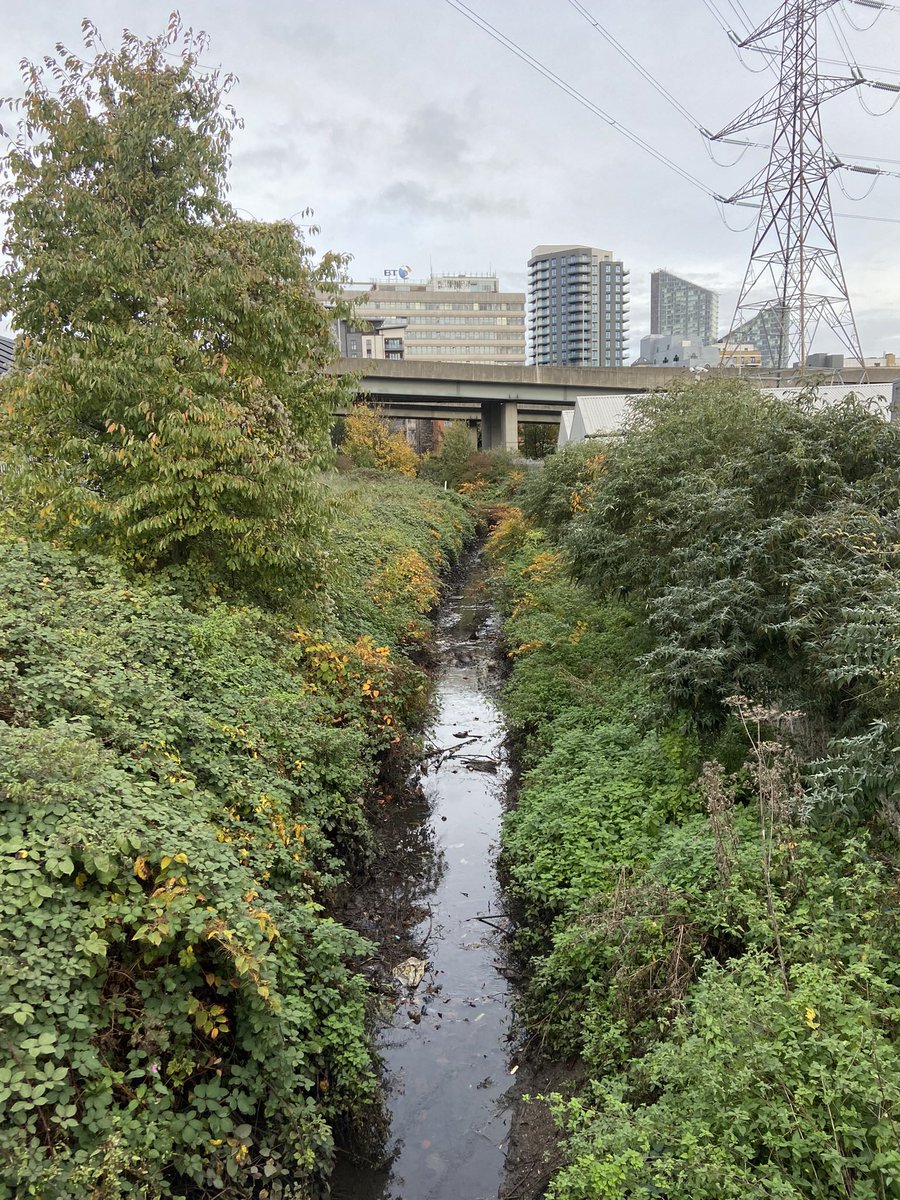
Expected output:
{"points": [[370, 442], [168, 400]]}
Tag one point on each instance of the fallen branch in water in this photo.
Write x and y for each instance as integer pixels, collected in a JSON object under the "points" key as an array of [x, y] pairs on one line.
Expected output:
{"points": [[489, 920], [448, 750]]}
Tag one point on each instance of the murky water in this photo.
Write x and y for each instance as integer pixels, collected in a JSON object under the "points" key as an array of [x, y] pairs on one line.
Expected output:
{"points": [[445, 1051]]}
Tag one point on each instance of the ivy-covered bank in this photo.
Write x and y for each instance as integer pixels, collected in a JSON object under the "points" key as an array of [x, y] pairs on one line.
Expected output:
{"points": [[204, 652], [702, 617], [181, 785]]}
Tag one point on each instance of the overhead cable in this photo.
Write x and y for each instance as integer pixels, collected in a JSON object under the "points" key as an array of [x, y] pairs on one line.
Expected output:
{"points": [[843, 44], [857, 199], [882, 7], [860, 28], [502, 39], [843, 216], [542, 69], [732, 37], [632, 61]]}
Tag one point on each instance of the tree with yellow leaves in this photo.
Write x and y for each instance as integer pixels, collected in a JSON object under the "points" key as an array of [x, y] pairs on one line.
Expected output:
{"points": [[370, 443]]}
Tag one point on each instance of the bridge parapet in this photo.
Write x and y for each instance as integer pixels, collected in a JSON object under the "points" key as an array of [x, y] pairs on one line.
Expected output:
{"points": [[472, 391]]}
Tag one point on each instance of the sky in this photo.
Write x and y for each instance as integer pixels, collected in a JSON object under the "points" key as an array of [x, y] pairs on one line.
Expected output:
{"points": [[418, 140]]}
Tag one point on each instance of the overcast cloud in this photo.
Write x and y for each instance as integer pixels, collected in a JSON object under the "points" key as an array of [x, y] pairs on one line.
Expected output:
{"points": [[417, 139]]}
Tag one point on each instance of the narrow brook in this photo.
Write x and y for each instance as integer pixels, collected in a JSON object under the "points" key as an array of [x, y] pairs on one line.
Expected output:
{"points": [[446, 1050]]}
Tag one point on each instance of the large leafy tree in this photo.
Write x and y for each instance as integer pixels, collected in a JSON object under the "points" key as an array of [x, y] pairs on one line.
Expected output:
{"points": [[169, 398]]}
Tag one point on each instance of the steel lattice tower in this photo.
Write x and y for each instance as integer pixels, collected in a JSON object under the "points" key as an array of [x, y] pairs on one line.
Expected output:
{"points": [[794, 280]]}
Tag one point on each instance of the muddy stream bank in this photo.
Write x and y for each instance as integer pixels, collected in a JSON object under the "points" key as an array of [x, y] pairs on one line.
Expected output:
{"points": [[433, 901]]}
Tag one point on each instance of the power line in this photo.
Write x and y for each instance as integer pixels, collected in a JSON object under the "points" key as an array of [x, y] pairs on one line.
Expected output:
{"points": [[877, 4], [860, 28], [868, 217], [529, 59], [843, 216], [542, 69], [771, 51], [741, 13], [743, 17], [730, 141], [843, 44], [632, 61], [732, 37], [794, 279]]}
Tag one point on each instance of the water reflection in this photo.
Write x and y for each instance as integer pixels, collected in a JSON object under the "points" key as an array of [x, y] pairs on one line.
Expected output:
{"points": [[445, 1044]]}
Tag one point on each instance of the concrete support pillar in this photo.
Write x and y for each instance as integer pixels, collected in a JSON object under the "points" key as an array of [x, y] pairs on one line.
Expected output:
{"points": [[500, 425], [509, 426], [488, 424], [472, 431]]}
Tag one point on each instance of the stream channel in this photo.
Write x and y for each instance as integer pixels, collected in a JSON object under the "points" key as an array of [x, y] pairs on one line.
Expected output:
{"points": [[445, 1048]]}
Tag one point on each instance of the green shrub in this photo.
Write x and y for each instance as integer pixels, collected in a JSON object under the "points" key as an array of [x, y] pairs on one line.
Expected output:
{"points": [[759, 537], [181, 785], [758, 1092], [563, 487], [719, 945]]}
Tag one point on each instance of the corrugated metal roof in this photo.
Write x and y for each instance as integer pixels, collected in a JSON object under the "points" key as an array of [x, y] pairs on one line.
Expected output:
{"points": [[6, 353], [565, 429], [876, 394], [598, 414]]}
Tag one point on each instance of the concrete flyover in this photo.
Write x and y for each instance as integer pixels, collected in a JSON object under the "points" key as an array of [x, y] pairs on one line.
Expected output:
{"points": [[501, 397]]}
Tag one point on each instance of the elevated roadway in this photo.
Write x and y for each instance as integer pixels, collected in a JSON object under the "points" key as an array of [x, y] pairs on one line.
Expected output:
{"points": [[500, 397]]}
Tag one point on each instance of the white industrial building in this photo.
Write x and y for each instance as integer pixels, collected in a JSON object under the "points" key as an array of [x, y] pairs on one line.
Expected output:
{"points": [[600, 416], [593, 416]]}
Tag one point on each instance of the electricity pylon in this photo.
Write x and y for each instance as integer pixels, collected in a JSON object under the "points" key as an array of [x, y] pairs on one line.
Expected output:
{"points": [[794, 280]]}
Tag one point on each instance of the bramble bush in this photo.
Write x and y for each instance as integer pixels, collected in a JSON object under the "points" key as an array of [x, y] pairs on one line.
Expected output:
{"points": [[200, 675], [718, 944], [180, 788]]}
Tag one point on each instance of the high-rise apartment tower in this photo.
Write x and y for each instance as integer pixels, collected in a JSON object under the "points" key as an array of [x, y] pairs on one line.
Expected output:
{"points": [[578, 298], [684, 308]]}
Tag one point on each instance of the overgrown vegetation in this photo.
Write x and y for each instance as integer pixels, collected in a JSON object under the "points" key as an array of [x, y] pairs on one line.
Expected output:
{"points": [[168, 395], [205, 659], [704, 852], [181, 787], [369, 442]]}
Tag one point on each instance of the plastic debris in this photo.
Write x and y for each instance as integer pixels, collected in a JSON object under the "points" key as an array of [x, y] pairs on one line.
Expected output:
{"points": [[410, 972]]}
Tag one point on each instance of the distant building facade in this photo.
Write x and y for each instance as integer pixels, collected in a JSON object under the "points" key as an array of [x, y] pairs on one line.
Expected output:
{"points": [[673, 350], [768, 332], [678, 306], [578, 297], [371, 337], [451, 318], [739, 354], [887, 359]]}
